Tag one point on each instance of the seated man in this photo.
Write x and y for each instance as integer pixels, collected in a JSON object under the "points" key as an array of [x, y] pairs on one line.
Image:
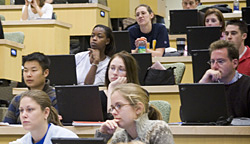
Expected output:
{"points": [[236, 32], [36, 69], [224, 59]]}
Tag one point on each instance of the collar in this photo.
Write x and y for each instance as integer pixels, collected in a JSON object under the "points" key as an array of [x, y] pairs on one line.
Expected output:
{"points": [[243, 52], [235, 78]]}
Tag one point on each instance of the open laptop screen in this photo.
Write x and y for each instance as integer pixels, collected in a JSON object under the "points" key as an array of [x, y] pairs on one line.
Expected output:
{"points": [[202, 103], [77, 141], [180, 19], [1, 30], [200, 37], [79, 103], [247, 41], [62, 70], [122, 41]]}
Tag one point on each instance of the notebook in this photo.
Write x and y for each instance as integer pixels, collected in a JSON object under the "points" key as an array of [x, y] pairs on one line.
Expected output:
{"points": [[122, 41], [78, 141], [180, 19], [202, 103], [200, 65], [79, 103], [1, 30], [62, 70], [200, 37], [144, 61]]}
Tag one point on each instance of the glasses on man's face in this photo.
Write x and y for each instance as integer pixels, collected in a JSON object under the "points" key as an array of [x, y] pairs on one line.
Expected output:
{"points": [[117, 107], [120, 70], [218, 61]]}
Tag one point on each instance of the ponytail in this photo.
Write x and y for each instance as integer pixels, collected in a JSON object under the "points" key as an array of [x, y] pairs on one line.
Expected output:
{"points": [[154, 113], [53, 117]]}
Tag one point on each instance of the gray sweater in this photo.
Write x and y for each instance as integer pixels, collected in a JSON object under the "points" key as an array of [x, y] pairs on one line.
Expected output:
{"points": [[149, 132]]}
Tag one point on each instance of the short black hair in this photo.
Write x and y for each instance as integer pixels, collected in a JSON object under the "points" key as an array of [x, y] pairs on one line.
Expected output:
{"points": [[42, 59], [242, 25]]}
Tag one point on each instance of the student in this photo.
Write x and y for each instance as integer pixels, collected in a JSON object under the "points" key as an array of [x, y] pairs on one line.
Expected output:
{"points": [[224, 59], [36, 9], [236, 32], [130, 108], [214, 17], [145, 28], [122, 68], [40, 119], [36, 69], [91, 65], [192, 4]]}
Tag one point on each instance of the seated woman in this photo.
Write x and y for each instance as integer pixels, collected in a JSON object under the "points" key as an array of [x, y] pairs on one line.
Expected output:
{"points": [[145, 28], [91, 65], [35, 9], [131, 111], [214, 17], [40, 119], [122, 68]]}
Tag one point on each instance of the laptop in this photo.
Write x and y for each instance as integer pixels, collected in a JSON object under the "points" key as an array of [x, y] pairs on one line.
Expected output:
{"points": [[78, 141], [122, 41], [246, 14], [77, 1], [180, 19], [200, 37], [200, 65], [144, 61], [1, 30], [62, 70], [202, 103], [247, 40], [79, 103]]}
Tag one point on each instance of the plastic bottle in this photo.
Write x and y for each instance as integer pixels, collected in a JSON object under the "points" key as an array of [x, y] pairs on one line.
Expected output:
{"points": [[142, 45], [12, 2], [236, 6]]}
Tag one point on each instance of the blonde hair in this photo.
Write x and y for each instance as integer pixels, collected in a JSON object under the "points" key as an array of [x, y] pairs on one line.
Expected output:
{"points": [[135, 94], [41, 98]]}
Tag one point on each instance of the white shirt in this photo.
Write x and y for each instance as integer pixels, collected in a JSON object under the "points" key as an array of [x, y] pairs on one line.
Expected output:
{"points": [[83, 66], [47, 11]]}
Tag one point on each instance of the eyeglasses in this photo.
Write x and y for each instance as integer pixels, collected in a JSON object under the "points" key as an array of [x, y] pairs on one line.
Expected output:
{"points": [[120, 70], [117, 107], [218, 61]]}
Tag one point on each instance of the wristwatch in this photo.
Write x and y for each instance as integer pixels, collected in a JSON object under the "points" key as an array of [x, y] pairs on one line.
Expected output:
{"points": [[93, 64]]}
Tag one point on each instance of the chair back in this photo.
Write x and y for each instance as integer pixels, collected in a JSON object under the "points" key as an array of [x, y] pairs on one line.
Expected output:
{"points": [[2, 18], [178, 71], [14, 36], [164, 107]]}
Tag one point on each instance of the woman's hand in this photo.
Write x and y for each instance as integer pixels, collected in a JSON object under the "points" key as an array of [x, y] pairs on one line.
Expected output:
{"points": [[94, 55], [118, 81], [109, 127], [27, 3], [138, 39]]}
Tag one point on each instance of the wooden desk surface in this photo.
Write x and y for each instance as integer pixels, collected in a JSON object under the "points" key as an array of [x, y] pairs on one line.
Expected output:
{"points": [[182, 134], [47, 36]]}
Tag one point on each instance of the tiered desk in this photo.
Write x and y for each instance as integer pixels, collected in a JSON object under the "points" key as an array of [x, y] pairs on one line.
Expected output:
{"points": [[182, 134], [229, 2]]}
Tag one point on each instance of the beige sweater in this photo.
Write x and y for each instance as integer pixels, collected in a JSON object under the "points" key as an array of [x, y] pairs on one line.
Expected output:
{"points": [[149, 132]]}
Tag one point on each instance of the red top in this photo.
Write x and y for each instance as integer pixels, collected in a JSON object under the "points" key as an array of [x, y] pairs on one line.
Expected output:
{"points": [[244, 63]]}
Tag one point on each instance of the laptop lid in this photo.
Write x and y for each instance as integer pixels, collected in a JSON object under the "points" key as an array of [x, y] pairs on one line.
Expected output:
{"points": [[200, 65], [79, 103], [144, 60], [1, 30], [180, 19], [62, 70], [246, 14], [122, 41], [202, 103], [77, 1], [77, 141], [247, 40], [200, 37]]}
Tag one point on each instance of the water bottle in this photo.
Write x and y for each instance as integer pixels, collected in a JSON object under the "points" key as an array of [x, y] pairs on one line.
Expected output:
{"points": [[142, 45], [236, 6], [12, 2]]}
